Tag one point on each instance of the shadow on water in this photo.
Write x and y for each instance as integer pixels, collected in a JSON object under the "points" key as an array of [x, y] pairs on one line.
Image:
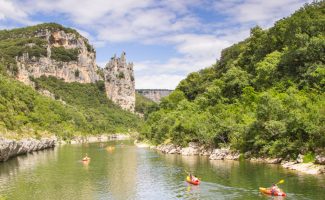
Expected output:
{"points": [[118, 170]]}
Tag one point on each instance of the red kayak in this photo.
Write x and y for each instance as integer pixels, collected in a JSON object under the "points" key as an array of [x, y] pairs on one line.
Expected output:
{"points": [[269, 192], [196, 182]]}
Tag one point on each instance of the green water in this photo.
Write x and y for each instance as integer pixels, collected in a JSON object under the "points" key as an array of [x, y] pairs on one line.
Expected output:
{"points": [[128, 172]]}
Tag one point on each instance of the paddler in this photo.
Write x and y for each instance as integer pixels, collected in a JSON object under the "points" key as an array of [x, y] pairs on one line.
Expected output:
{"points": [[193, 178], [275, 189], [86, 158]]}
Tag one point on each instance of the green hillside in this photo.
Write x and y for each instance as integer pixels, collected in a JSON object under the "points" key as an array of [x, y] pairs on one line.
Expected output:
{"points": [[85, 109], [265, 95]]}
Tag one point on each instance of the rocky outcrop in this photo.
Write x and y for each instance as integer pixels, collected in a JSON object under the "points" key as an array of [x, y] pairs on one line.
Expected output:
{"points": [[320, 160], [169, 148], [192, 149], [119, 82], [309, 168], [11, 148], [154, 94], [224, 154], [83, 69], [53, 50], [266, 160]]}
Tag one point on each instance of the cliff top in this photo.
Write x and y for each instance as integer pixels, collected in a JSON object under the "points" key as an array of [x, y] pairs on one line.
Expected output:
{"points": [[33, 40], [30, 31]]}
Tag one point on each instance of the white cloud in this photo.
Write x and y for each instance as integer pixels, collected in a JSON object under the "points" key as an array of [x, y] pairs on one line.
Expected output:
{"points": [[8, 10], [84, 12], [198, 51], [144, 25], [263, 13]]}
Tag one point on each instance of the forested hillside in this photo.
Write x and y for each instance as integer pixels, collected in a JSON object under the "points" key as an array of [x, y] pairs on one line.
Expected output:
{"points": [[79, 109], [265, 95]]}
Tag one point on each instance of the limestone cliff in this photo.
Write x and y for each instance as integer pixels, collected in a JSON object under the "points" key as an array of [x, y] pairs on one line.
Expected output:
{"points": [[50, 49], [119, 82], [79, 67]]}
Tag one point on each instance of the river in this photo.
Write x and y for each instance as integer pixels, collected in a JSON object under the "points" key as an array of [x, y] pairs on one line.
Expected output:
{"points": [[119, 170]]}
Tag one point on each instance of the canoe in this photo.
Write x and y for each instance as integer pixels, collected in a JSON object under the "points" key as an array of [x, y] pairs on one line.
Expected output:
{"points": [[269, 192], [197, 182]]}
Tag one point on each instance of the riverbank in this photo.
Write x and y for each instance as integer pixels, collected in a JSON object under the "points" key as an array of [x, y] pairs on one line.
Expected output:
{"points": [[227, 154], [11, 148]]}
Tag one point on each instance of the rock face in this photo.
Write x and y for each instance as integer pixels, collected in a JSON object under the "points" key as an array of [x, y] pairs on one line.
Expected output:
{"points": [[169, 148], [154, 94], [119, 82], [308, 168], [83, 69], [320, 160], [11, 148], [224, 154]]}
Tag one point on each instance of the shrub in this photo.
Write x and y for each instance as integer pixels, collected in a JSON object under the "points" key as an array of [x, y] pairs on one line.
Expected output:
{"points": [[64, 55], [309, 157], [120, 75]]}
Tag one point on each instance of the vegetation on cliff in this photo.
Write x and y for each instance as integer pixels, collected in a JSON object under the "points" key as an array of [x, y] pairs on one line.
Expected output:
{"points": [[65, 55], [82, 109], [265, 95]]}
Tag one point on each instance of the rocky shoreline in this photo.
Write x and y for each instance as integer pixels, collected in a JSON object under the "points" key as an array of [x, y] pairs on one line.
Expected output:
{"points": [[226, 154], [11, 148]]}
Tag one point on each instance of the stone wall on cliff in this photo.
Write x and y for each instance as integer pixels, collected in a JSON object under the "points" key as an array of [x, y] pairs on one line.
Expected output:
{"points": [[119, 82], [83, 69], [154, 94]]}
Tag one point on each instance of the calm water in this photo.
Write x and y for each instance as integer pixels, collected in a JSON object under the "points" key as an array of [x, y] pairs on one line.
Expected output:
{"points": [[128, 172]]}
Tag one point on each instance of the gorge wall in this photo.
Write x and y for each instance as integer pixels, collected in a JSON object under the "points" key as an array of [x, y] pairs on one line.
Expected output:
{"points": [[53, 50], [68, 57], [119, 82], [154, 94]]}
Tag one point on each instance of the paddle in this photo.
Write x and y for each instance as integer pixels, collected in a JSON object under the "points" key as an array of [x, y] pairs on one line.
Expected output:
{"points": [[188, 173], [281, 181]]}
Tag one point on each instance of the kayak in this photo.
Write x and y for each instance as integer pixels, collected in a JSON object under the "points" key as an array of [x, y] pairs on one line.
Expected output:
{"points": [[86, 159], [269, 192], [197, 182]]}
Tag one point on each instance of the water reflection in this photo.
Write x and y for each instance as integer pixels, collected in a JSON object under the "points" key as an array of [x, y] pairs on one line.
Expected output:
{"points": [[126, 172], [11, 168]]}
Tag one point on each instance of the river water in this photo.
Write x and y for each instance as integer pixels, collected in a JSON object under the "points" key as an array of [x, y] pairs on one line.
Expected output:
{"points": [[119, 170]]}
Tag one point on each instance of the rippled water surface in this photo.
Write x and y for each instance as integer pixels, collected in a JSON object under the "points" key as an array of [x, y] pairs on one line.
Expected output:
{"points": [[119, 170]]}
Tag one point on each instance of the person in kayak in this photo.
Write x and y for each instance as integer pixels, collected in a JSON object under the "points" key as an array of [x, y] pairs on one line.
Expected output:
{"points": [[275, 189], [86, 158], [193, 178]]}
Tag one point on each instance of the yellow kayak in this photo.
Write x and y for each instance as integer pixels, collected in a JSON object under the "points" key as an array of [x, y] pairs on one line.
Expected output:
{"points": [[188, 179], [269, 192]]}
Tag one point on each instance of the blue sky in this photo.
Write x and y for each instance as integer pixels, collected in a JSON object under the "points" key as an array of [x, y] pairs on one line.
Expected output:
{"points": [[165, 39]]}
